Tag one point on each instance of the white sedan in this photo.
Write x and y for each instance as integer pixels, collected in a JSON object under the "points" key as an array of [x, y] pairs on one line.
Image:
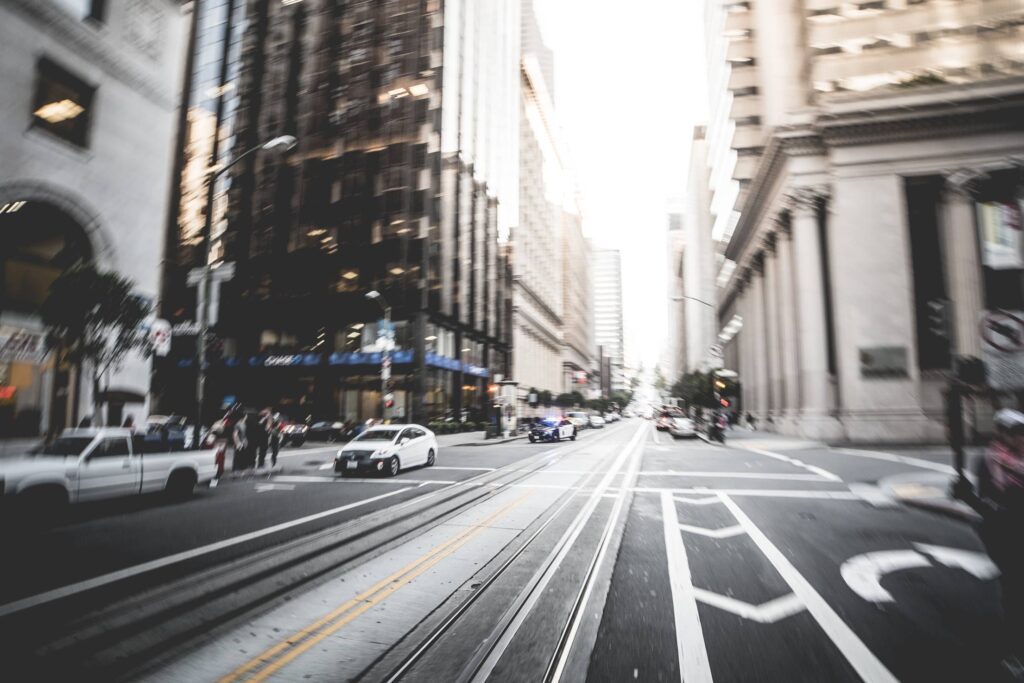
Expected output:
{"points": [[386, 449], [682, 428]]}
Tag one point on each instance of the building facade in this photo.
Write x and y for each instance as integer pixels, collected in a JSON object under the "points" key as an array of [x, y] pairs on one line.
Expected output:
{"points": [[404, 181], [883, 174], [699, 263], [607, 305], [88, 112], [673, 362], [537, 241], [578, 316]]}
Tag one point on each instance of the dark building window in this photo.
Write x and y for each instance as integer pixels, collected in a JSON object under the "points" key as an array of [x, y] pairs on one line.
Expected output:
{"points": [[97, 11], [745, 92], [929, 272], [62, 104]]}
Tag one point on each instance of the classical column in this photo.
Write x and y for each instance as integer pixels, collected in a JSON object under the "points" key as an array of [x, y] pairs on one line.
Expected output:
{"points": [[772, 275], [790, 356], [745, 367], [759, 338], [810, 303], [962, 258]]}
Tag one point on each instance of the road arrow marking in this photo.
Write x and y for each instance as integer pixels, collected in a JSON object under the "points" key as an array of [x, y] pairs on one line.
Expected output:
{"points": [[766, 613], [863, 573], [697, 501], [724, 532], [972, 562]]}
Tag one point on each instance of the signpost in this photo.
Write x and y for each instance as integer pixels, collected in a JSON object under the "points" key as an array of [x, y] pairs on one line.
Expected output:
{"points": [[386, 344]]}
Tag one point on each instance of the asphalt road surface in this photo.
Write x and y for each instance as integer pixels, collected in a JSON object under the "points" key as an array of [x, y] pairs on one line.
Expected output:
{"points": [[626, 555]]}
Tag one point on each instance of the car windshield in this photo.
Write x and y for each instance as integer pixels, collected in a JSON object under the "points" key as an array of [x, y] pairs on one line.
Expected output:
{"points": [[66, 446], [378, 435], [549, 423]]}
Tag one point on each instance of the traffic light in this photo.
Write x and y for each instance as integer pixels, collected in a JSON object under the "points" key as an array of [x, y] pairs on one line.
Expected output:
{"points": [[724, 402], [938, 317]]}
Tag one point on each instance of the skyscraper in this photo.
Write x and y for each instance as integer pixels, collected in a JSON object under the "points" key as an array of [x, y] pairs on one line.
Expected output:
{"points": [[404, 182], [608, 334]]}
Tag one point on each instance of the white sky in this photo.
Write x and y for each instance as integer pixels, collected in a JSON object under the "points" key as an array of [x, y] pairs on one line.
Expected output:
{"points": [[629, 86]]}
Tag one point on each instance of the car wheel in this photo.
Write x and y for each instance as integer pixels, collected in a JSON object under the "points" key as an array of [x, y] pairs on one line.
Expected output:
{"points": [[555, 436], [430, 458], [393, 466], [41, 507], [532, 438], [573, 437], [181, 485]]}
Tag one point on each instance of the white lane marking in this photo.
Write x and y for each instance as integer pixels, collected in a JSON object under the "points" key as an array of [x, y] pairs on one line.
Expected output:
{"points": [[766, 613], [724, 532], [312, 479], [128, 572], [468, 469], [863, 573], [971, 561], [766, 493], [864, 662], [692, 651], [793, 461], [697, 501], [913, 462], [874, 495], [263, 488], [736, 475]]}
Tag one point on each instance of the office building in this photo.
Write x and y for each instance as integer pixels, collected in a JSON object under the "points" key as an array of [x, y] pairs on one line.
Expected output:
{"points": [[89, 100], [607, 304], [404, 181], [878, 163], [577, 313]]}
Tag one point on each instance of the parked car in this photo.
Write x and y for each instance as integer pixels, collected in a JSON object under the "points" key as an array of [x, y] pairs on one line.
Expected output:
{"points": [[386, 449], [293, 433], [329, 431], [552, 429], [97, 463], [612, 416], [682, 428], [597, 422], [580, 419]]}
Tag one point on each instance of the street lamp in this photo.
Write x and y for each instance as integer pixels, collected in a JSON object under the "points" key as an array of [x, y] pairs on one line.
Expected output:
{"points": [[385, 352], [204, 274]]}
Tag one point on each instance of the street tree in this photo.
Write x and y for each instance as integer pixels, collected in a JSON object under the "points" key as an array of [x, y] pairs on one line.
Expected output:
{"points": [[92, 318]]}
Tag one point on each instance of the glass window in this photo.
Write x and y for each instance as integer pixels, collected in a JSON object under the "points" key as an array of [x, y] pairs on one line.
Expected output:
{"points": [[62, 104], [111, 448]]}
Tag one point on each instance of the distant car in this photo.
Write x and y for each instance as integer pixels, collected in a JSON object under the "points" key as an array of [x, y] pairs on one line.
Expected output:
{"points": [[553, 429], [580, 419], [663, 423], [597, 422], [682, 428], [293, 433], [386, 449], [612, 417], [331, 432]]}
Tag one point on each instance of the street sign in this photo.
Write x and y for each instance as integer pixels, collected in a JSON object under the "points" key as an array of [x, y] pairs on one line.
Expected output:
{"points": [[1002, 349]]}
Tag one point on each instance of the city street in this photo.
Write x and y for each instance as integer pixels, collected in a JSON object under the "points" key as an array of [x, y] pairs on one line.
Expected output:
{"points": [[626, 555]]}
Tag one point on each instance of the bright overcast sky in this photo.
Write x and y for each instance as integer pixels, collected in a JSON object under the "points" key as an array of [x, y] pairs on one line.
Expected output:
{"points": [[629, 87]]}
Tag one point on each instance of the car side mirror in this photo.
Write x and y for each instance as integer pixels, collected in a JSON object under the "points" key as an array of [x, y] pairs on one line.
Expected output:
{"points": [[404, 440]]}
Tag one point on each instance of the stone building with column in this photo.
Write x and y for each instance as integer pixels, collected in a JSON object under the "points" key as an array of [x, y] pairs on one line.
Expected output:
{"points": [[880, 171]]}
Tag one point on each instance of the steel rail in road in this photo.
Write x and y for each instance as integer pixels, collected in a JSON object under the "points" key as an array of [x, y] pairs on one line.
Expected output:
{"points": [[129, 635]]}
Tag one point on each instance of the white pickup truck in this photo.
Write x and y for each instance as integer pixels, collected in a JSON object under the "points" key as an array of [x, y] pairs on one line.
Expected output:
{"points": [[84, 465]]}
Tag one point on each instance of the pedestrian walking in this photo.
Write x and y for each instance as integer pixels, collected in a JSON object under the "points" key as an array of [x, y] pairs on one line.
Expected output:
{"points": [[259, 437], [240, 440], [272, 424], [1001, 492]]}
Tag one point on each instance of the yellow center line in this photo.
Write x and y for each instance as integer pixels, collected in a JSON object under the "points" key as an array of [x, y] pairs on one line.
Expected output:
{"points": [[309, 636]]}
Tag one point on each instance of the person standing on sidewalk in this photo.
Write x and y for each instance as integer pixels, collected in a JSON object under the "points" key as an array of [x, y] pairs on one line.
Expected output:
{"points": [[1001, 490], [259, 436], [272, 423]]}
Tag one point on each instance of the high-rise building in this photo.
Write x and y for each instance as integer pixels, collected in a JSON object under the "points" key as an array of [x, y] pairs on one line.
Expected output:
{"points": [[699, 259], [537, 240], [90, 91], [404, 181], [878, 166], [673, 362], [577, 312], [607, 303]]}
